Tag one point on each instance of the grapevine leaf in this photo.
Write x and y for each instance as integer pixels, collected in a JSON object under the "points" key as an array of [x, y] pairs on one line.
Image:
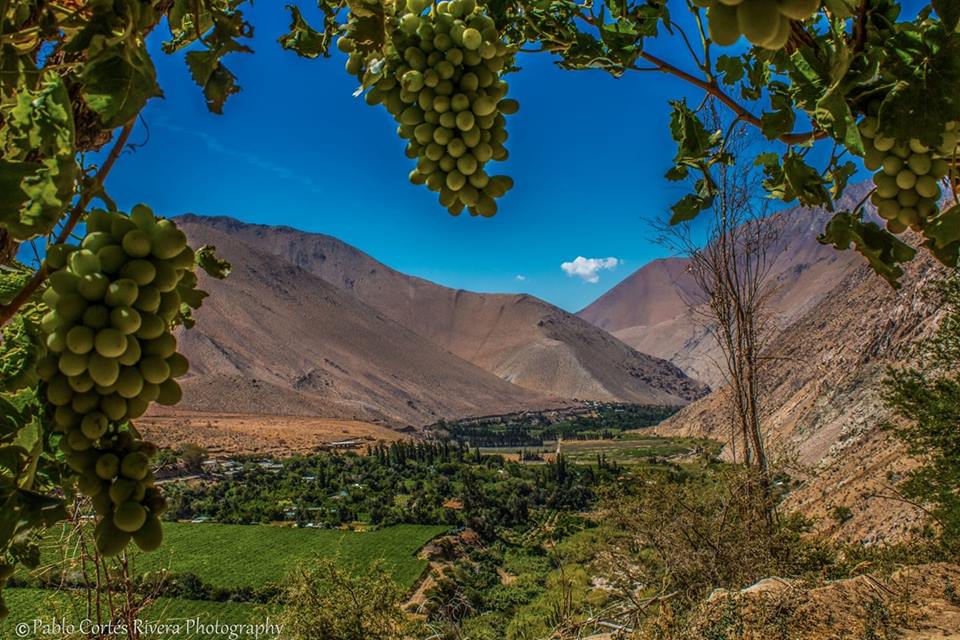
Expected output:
{"points": [[804, 182], [118, 82], [37, 144], [677, 173], [943, 236], [840, 177], [793, 179], [732, 69], [21, 340], [689, 207], [779, 121], [949, 12], [209, 73], [834, 115], [948, 255], [839, 8], [927, 93], [884, 251], [187, 20], [693, 140], [208, 261], [12, 197], [303, 39]]}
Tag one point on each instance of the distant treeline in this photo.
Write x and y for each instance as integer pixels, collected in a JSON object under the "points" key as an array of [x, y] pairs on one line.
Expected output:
{"points": [[606, 421]]}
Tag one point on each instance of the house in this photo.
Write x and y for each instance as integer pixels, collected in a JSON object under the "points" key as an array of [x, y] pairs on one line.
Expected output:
{"points": [[341, 445]]}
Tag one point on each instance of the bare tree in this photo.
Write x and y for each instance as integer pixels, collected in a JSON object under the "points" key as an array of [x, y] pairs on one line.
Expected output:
{"points": [[730, 264]]}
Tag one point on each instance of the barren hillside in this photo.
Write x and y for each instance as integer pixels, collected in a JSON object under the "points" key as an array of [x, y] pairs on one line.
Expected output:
{"points": [[518, 338], [274, 339], [651, 309], [822, 406]]}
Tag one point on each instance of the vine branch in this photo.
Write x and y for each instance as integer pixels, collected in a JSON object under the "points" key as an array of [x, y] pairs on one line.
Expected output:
{"points": [[7, 311], [713, 89]]}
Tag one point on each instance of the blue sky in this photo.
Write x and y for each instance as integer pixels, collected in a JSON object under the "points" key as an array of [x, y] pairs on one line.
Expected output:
{"points": [[296, 148], [587, 153]]}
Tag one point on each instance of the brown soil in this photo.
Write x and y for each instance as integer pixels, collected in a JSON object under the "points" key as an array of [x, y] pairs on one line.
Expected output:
{"points": [[226, 435]]}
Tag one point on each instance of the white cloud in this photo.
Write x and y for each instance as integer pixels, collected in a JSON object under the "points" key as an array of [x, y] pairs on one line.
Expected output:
{"points": [[588, 269], [521, 277]]}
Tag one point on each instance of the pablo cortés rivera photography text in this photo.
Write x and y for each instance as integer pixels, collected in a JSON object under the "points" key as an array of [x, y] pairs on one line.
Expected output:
{"points": [[191, 628]]}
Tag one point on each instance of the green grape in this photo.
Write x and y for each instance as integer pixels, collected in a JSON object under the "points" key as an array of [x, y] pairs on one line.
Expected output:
{"points": [[154, 369], [108, 466], [150, 535], [170, 393], [907, 188], [113, 304], [758, 20], [109, 539], [121, 293], [125, 320], [96, 317], [441, 82], [135, 465], [142, 272], [93, 286], [73, 364]]}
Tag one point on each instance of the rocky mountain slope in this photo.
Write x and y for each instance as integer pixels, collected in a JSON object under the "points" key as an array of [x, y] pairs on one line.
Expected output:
{"points": [[839, 327], [653, 309], [274, 339], [519, 338], [822, 404]]}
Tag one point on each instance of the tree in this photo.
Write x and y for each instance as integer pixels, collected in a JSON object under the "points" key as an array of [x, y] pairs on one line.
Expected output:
{"points": [[731, 273], [871, 83], [193, 457], [925, 398], [322, 599]]}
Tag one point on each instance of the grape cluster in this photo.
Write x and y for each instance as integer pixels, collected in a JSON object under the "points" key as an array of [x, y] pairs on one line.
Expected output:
{"points": [[115, 474], [441, 82], [765, 23], [907, 176], [114, 301]]}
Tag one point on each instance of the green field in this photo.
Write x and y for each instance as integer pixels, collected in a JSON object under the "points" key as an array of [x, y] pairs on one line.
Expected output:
{"points": [[631, 448], [224, 555], [28, 605]]}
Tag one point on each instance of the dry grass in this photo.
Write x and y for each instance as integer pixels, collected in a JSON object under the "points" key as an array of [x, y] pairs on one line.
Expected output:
{"points": [[226, 435]]}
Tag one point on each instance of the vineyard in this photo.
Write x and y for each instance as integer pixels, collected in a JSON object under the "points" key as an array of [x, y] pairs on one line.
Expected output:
{"points": [[220, 555]]}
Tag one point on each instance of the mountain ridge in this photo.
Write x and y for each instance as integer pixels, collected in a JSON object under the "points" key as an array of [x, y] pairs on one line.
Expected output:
{"points": [[518, 337]]}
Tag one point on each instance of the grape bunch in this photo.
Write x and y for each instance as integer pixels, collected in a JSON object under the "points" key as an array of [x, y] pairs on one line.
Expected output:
{"points": [[114, 301], [908, 176], [115, 473], [441, 82], [765, 23]]}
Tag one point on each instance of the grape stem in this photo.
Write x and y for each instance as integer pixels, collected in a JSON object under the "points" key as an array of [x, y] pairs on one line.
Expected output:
{"points": [[7, 311]]}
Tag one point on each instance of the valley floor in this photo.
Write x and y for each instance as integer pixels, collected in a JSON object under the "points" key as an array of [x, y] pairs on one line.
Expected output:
{"points": [[226, 435]]}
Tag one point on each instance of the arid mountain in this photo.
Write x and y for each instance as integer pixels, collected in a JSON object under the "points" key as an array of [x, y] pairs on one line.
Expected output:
{"points": [[822, 403], [651, 309], [274, 339], [839, 327], [519, 338]]}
